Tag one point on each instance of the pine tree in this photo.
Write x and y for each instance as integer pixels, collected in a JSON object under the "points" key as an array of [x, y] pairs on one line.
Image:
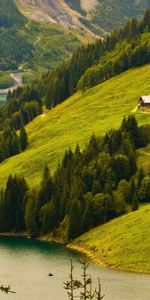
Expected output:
{"points": [[140, 177], [23, 138], [14, 203], [46, 188], [31, 213], [75, 226], [135, 202], [48, 217], [84, 286]]}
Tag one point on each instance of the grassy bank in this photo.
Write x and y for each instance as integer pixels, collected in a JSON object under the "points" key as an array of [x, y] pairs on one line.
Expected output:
{"points": [[73, 121], [121, 244]]}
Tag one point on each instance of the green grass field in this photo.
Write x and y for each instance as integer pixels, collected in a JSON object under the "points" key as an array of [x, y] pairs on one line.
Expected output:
{"points": [[122, 244], [95, 111]]}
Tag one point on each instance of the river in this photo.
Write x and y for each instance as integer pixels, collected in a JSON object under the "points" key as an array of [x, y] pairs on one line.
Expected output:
{"points": [[17, 77], [24, 264]]}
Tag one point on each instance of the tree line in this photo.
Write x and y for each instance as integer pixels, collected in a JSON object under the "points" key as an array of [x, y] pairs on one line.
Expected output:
{"points": [[88, 188], [123, 57]]}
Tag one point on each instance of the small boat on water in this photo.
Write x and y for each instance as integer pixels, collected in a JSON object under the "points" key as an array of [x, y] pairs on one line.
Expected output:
{"points": [[50, 274]]}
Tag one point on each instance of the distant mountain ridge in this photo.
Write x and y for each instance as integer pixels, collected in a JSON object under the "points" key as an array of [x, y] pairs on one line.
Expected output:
{"points": [[94, 15]]}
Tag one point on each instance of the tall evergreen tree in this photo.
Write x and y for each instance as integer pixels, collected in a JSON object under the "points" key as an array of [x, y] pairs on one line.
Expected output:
{"points": [[46, 188], [23, 138]]}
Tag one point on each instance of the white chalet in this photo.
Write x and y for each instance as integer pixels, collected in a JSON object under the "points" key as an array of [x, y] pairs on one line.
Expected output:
{"points": [[144, 101]]}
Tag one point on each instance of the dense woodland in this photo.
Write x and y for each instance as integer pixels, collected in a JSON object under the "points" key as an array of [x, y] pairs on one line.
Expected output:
{"points": [[11, 22], [87, 189], [89, 65], [9, 15]]}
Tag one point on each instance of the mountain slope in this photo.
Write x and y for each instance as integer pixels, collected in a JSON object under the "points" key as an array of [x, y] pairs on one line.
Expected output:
{"points": [[122, 243], [49, 11], [73, 121], [96, 16], [38, 47]]}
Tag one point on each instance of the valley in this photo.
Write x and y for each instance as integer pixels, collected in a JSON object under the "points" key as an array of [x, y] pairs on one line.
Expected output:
{"points": [[75, 145], [51, 30]]}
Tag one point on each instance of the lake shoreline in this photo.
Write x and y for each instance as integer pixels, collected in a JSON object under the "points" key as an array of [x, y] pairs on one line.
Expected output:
{"points": [[78, 248], [101, 263]]}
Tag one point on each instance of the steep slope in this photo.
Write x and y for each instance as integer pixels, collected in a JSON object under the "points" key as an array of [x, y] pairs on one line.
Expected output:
{"points": [[73, 121], [122, 243], [114, 13], [96, 16], [49, 11]]}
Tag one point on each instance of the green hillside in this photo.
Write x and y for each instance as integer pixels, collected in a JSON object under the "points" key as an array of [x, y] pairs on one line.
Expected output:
{"points": [[73, 121], [122, 243]]}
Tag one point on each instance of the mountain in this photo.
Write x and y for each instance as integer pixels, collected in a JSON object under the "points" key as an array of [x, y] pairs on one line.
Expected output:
{"points": [[30, 46], [96, 16], [73, 121], [120, 244], [45, 33]]}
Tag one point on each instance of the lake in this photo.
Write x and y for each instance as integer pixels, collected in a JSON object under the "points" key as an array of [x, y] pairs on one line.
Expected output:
{"points": [[25, 263]]}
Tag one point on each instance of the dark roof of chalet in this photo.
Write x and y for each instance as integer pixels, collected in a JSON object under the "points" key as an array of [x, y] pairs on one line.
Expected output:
{"points": [[145, 99]]}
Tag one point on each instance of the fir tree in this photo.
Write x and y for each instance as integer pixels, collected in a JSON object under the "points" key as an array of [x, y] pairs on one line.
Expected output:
{"points": [[23, 138], [135, 202], [46, 188]]}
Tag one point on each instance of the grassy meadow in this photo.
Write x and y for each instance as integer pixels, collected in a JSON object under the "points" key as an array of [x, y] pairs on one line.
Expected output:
{"points": [[95, 111], [122, 243]]}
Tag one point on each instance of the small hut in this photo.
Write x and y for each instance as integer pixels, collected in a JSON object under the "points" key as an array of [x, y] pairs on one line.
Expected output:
{"points": [[144, 101]]}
